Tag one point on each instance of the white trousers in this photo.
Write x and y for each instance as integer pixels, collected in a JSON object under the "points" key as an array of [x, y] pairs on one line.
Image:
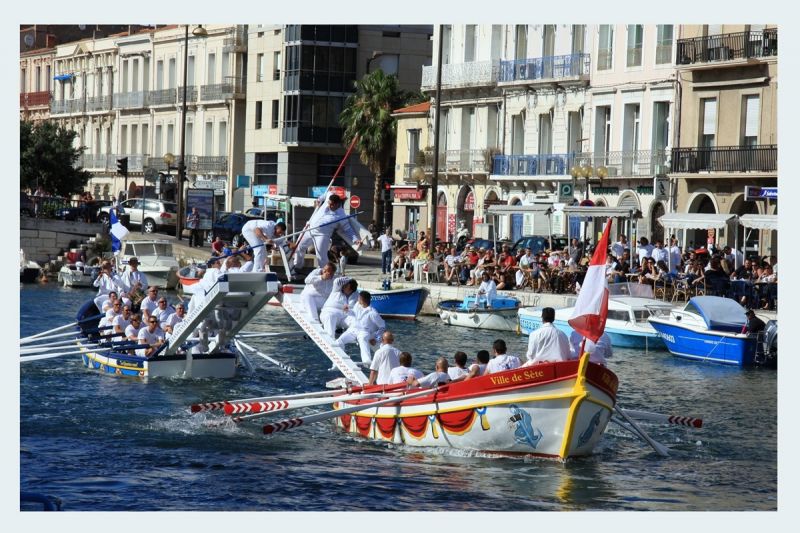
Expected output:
{"points": [[322, 243], [312, 304], [259, 254], [357, 335], [331, 318]]}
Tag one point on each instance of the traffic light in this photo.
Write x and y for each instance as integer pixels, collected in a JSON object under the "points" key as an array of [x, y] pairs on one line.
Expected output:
{"points": [[386, 191], [122, 166]]}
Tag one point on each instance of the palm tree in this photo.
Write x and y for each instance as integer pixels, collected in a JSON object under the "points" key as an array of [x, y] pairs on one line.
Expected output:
{"points": [[367, 117]]}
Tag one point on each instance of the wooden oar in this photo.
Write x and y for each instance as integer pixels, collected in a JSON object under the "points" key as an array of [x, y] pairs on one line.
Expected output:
{"points": [[215, 406], [657, 446], [28, 358], [59, 335], [73, 324], [280, 365], [93, 344], [255, 334], [667, 419], [290, 423], [265, 408]]}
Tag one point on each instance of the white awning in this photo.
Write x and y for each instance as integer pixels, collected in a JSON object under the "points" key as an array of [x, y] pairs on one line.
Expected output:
{"points": [[511, 209], [759, 221], [587, 211], [696, 220]]}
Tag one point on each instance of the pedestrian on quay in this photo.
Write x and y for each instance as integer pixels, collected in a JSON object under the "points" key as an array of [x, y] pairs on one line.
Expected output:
{"points": [[386, 251], [193, 225]]}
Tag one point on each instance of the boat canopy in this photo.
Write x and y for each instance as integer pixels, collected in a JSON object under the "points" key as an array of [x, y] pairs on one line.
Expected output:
{"points": [[719, 314], [769, 222]]}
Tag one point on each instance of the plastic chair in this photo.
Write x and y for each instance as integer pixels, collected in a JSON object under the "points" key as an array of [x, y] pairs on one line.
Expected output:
{"points": [[430, 270]]}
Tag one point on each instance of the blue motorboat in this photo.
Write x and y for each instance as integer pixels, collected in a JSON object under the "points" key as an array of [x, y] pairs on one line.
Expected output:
{"points": [[399, 303], [708, 328]]}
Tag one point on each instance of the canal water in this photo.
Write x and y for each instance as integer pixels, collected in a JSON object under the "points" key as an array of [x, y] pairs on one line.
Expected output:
{"points": [[101, 443]]}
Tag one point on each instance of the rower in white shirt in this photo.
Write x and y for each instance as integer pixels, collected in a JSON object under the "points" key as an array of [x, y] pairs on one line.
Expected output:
{"points": [[339, 305], [437, 377], [319, 284], [151, 335], [105, 282], [366, 327], [547, 344], [405, 371], [487, 290], [598, 352], [121, 322], [460, 371], [132, 280], [174, 319], [386, 359], [501, 361], [478, 368]]}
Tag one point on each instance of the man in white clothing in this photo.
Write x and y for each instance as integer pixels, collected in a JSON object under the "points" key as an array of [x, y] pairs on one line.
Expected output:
{"points": [[149, 304], [151, 335], [460, 371], [386, 359], [174, 319], [501, 361], [339, 304], [386, 251], [618, 247], [105, 282], [478, 368], [319, 284], [644, 250], [132, 280], [437, 377], [404, 372], [366, 327], [260, 233], [121, 322], [162, 312], [547, 344], [659, 253], [132, 331], [328, 214], [488, 289], [675, 254], [598, 352]]}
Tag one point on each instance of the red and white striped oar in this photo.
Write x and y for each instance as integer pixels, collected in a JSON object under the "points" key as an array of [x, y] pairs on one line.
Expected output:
{"points": [[290, 423], [667, 419], [218, 405], [259, 409]]}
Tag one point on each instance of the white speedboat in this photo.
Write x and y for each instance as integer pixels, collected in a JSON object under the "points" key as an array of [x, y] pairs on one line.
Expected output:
{"points": [[473, 312], [156, 261], [77, 275], [29, 271], [629, 307]]}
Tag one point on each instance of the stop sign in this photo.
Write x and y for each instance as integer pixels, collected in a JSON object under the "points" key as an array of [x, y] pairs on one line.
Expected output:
{"points": [[355, 202]]}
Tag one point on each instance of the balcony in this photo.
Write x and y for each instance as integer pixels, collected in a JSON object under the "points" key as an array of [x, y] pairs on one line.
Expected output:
{"points": [[477, 161], [625, 164], [759, 158], [728, 46], [163, 97], [133, 100], [62, 107], [97, 162], [98, 103], [191, 94], [545, 68], [235, 40], [472, 74], [41, 98], [532, 165], [232, 88]]}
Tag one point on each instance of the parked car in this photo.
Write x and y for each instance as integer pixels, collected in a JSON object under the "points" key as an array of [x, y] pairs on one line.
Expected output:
{"points": [[258, 212], [85, 211], [539, 243], [228, 227], [158, 214], [485, 244]]}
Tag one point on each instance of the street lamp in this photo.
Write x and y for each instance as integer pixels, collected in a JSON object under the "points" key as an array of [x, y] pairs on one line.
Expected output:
{"points": [[586, 171], [375, 55], [199, 31]]}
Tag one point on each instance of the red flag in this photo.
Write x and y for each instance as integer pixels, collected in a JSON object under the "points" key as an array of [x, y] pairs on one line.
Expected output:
{"points": [[591, 309]]}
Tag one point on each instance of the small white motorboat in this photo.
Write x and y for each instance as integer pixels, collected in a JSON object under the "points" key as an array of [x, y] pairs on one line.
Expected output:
{"points": [[77, 275], [473, 312], [156, 261], [29, 271]]}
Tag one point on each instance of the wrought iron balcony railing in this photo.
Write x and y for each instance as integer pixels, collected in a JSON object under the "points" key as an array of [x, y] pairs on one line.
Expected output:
{"points": [[471, 74], [163, 97], [98, 103], [191, 94], [233, 87], [759, 158], [235, 40], [132, 100], [545, 68], [477, 161], [60, 107], [532, 165], [632, 163], [41, 98], [728, 46]]}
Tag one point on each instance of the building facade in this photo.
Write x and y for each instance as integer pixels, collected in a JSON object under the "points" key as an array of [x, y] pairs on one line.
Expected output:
{"points": [[36, 79]]}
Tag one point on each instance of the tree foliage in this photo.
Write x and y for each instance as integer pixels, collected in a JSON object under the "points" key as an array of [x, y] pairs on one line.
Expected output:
{"points": [[48, 159], [367, 117]]}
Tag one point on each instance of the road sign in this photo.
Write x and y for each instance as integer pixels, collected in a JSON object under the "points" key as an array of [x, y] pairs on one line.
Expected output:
{"points": [[150, 174], [566, 192], [760, 193], [661, 188], [355, 202]]}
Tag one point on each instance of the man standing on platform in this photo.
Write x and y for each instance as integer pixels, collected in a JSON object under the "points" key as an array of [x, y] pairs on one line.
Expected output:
{"points": [[365, 327], [259, 233], [326, 217], [193, 225]]}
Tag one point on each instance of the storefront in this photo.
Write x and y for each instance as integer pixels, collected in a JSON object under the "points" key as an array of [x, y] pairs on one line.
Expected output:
{"points": [[410, 210]]}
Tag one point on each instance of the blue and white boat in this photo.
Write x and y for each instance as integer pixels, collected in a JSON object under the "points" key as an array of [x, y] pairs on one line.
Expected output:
{"points": [[708, 328], [399, 303], [474, 312], [629, 307]]}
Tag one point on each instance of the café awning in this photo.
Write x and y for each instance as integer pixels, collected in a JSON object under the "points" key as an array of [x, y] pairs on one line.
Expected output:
{"points": [[514, 209], [696, 220], [584, 212], [769, 222]]}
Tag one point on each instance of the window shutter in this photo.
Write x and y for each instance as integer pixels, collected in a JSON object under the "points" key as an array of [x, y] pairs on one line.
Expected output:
{"points": [[752, 115], [710, 117]]}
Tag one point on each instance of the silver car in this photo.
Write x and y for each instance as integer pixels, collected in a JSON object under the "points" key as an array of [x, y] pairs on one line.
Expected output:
{"points": [[157, 214]]}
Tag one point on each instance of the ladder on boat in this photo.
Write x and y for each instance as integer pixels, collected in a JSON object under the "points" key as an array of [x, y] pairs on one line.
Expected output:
{"points": [[292, 304], [223, 310]]}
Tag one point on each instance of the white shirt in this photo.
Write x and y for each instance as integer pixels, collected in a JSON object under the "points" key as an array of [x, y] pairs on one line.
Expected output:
{"points": [[452, 259], [120, 321], [598, 353], [367, 319], [146, 337], [132, 331], [267, 227], [316, 286], [401, 374], [384, 361], [547, 344], [105, 284], [247, 267], [660, 254], [502, 362], [675, 256], [481, 369], [324, 215], [172, 321], [617, 248], [456, 372], [149, 305], [433, 379], [643, 252], [162, 314], [338, 299], [129, 278], [386, 242], [489, 289]]}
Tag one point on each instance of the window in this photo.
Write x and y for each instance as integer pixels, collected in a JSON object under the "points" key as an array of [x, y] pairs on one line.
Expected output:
{"points": [[470, 43], [545, 134], [159, 75], [518, 134], [38, 80], [548, 40], [135, 75], [258, 115], [222, 144], [751, 107], [190, 74], [635, 45], [664, 44], [47, 78], [172, 74], [260, 67], [211, 79], [521, 40], [413, 146], [577, 38], [189, 138], [157, 151], [446, 36], [123, 139], [145, 139], [276, 65], [22, 77], [709, 118], [326, 168], [274, 114], [266, 169], [209, 144], [134, 139], [171, 138], [605, 47], [602, 131]]}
